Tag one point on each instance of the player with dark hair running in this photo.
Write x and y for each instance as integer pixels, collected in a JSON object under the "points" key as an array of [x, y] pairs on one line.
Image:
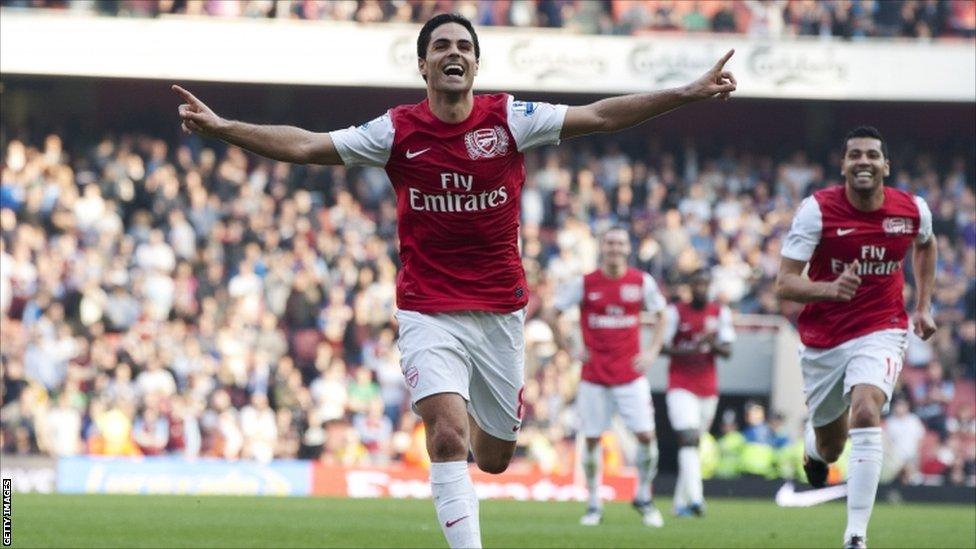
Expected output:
{"points": [[854, 327], [696, 333], [455, 161]]}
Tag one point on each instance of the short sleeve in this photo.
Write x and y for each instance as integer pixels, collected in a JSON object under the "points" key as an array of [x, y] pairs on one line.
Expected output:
{"points": [[670, 324], [653, 300], [726, 330], [535, 124], [804, 235], [569, 294], [924, 221], [366, 145]]}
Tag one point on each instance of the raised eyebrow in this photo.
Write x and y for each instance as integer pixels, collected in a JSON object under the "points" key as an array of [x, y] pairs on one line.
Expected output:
{"points": [[464, 41]]}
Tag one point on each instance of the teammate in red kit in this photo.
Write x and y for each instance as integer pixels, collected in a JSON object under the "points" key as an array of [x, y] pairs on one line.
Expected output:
{"points": [[610, 300], [455, 162], [695, 333], [854, 326]]}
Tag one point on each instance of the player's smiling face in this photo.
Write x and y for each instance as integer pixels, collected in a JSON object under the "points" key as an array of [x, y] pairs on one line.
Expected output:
{"points": [[450, 65], [865, 165], [615, 248]]}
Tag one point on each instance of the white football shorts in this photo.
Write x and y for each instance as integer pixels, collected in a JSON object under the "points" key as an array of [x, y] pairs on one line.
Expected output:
{"points": [[688, 411], [830, 374], [596, 404], [478, 355]]}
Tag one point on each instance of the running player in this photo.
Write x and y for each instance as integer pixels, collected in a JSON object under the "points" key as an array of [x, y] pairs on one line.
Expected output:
{"points": [[854, 326], [695, 334], [611, 299], [455, 162]]}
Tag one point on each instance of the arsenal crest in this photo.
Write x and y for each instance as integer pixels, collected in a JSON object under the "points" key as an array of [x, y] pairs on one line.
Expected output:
{"points": [[486, 142], [897, 225]]}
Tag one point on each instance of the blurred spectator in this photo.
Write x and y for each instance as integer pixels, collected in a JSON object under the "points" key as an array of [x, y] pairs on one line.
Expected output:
{"points": [[932, 397], [905, 432]]}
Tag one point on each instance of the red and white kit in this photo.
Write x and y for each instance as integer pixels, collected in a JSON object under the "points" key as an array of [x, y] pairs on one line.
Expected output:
{"points": [[692, 381], [458, 189], [862, 341], [610, 321]]}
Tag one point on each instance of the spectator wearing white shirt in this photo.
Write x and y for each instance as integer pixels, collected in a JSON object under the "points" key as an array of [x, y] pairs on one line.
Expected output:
{"points": [[905, 432]]}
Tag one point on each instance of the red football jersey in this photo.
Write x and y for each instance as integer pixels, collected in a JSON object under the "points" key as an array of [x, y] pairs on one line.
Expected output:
{"points": [[610, 321], [458, 189], [830, 233], [686, 328]]}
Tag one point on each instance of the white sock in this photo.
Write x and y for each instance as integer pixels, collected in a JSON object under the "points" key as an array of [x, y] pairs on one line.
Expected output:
{"points": [[593, 469], [690, 466], [810, 442], [864, 470], [456, 503], [647, 456], [680, 488]]}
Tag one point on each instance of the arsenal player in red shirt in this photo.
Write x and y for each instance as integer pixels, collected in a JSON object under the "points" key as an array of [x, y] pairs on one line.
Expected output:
{"points": [[854, 327], [611, 299], [455, 162], [695, 333]]}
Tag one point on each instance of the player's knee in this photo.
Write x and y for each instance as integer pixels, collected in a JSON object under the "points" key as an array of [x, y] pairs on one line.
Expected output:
{"points": [[865, 413], [688, 437], [493, 464], [447, 443], [831, 450]]}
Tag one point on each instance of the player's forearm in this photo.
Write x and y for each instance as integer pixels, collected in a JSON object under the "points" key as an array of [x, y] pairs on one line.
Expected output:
{"points": [[284, 143], [924, 269], [618, 113], [793, 287]]}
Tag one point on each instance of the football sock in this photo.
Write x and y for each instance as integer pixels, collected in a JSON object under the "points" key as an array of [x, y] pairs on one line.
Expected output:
{"points": [[647, 455], [864, 470], [810, 442], [456, 503], [592, 468], [690, 466]]}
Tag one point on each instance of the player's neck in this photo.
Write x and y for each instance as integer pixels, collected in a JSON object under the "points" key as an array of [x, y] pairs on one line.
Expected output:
{"points": [[449, 107], [865, 202], [613, 271]]}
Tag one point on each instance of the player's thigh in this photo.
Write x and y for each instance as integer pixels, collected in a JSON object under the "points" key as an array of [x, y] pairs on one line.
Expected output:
{"points": [[433, 361], [496, 344], [876, 360], [707, 407], [594, 409], [823, 383], [634, 404], [684, 410]]}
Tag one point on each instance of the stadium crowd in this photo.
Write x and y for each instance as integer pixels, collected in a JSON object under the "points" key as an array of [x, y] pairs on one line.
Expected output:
{"points": [[848, 19], [170, 298]]}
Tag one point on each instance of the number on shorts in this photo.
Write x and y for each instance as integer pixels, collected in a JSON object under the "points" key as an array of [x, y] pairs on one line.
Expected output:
{"points": [[521, 404], [891, 370]]}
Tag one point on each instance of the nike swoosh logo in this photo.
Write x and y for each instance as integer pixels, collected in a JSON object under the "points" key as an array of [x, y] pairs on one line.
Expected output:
{"points": [[410, 154], [843, 232], [453, 522]]}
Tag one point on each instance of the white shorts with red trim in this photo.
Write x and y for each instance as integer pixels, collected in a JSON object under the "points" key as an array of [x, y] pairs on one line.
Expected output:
{"points": [[478, 355], [596, 404], [690, 412], [830, 374]]}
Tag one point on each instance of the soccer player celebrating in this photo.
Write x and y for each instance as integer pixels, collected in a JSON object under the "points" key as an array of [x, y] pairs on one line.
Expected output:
{"points": [[854, 326], [456, 165], [695, 334], [611, 299]]}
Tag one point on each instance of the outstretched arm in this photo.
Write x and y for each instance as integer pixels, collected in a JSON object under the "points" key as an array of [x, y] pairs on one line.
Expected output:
{"points": [[617, 113], [284, 143]]}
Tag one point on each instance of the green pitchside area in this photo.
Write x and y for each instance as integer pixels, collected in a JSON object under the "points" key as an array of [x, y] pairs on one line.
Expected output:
{"points": [[211, 521]]}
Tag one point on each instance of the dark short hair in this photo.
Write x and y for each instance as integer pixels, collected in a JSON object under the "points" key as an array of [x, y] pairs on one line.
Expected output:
{"points": [[423, 39], [867, 131]]}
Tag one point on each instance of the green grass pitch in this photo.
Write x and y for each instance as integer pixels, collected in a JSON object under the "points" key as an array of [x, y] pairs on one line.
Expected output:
{"points": [[211, 521]]}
